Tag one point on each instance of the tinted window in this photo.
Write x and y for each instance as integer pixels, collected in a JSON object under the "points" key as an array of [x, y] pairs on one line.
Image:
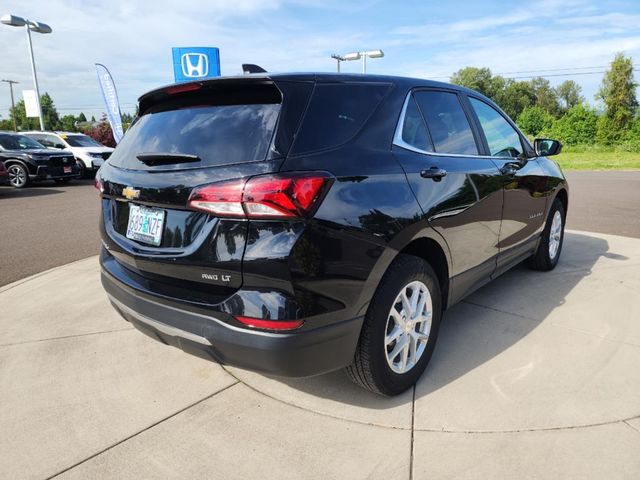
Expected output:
{"points": [[447, 122], [217, 134], [80, 141], [336, 113], [502, 138], [414, 130], [18, 142]]}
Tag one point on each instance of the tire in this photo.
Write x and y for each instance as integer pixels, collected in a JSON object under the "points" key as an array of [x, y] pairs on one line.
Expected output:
{"points": [[371, 367], [548, 253], [18, 175], [81, 168], [62, 181]]}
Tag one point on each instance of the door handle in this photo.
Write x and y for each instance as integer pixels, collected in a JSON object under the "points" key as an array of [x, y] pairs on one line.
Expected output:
{"points": [[510, 168], [435, 173]]}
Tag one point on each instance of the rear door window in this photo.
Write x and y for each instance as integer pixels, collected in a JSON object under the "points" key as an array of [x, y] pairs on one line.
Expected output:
{"points": [[336, 113], [448, 124], [217, 134], [502, 138]]}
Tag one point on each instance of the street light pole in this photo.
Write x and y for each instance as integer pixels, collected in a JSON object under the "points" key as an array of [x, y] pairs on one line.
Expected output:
{"points": [[35, 77], [13, 105], [38, 27], [358, 56]]}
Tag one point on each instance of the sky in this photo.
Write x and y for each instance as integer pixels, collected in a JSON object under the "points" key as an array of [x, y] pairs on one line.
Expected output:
{"points": [[559, 39]]}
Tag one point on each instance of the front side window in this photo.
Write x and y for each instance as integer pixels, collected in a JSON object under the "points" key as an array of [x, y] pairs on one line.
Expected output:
{"points": [[447, 123], [502, 138], [18, 142]]}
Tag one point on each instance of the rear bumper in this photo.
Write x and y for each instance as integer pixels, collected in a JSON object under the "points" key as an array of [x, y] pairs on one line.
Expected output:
{"points": [[290, 354]]}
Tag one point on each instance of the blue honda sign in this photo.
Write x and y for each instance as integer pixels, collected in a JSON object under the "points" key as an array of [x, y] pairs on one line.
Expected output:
{"points": [[194, 63]]}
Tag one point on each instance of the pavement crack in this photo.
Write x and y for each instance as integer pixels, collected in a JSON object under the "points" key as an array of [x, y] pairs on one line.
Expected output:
{"points": [[626, 422], [65, 337], [139, 432], [413, 420]]}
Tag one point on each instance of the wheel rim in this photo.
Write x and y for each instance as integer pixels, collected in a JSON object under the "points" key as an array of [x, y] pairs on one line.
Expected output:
{"points": [[17, 177], [408, 327], [555, 235]]}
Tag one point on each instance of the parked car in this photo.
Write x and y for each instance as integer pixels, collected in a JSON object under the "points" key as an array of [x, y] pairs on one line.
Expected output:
{"points": [[297, 224], [89, 154], [4, 175], [27, 160]]}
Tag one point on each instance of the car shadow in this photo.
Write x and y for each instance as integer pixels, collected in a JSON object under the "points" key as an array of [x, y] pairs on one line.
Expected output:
{"points": [[34, 191], [460, 347]]}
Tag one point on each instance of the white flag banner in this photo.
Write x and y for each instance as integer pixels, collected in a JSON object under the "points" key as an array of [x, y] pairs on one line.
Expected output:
{"points": [[31, 103]]}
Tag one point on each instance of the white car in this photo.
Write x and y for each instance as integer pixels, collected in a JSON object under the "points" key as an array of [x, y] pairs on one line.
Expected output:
{"points": [[89, 154]]}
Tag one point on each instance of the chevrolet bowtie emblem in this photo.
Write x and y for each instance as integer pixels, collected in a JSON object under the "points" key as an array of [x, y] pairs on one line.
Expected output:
{"points": [[130, 193]]}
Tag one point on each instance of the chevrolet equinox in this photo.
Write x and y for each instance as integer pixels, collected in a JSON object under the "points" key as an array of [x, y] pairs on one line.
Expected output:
{"points": [[296, 224]]}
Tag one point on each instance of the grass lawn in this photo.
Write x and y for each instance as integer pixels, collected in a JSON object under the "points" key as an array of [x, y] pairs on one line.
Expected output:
{"points": [[598, 160]]}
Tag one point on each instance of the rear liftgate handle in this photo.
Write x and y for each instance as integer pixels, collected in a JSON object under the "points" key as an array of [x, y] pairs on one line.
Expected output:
{"points": [[435, 173]]}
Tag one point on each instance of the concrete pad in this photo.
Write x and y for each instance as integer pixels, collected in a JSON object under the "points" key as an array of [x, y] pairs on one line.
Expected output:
{"points": [[493, 371], [62, 302], [334, 395], [607, 451], [240, 434], [64, 400], [601, 297]]}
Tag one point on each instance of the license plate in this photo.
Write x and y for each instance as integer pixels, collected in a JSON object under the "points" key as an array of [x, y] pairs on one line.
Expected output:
{"points": [[66, 169], [145, 224]]}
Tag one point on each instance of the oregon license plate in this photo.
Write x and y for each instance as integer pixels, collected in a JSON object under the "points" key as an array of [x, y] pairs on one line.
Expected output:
{"points": [[66, 169], [145, 224]]}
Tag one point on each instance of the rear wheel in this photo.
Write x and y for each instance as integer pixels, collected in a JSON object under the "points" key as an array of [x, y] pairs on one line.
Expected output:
{"points": [[548, 253], [18, 176], [400, 328]]}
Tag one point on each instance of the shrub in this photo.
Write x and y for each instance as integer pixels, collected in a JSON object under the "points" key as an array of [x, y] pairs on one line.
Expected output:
{"points": [[534, 119], [578, 126]]}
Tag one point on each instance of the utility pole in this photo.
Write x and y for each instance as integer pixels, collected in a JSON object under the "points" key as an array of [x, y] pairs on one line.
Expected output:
{"points": [[13, 105]]}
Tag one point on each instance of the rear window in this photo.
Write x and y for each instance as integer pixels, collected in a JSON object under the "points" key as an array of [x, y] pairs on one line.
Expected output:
{"points": [[219, 135], [336, 113]]}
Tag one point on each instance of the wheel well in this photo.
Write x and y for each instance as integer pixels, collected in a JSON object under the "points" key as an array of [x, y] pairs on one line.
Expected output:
{"points": [[12, 161], [431, 251], [564, 198]]}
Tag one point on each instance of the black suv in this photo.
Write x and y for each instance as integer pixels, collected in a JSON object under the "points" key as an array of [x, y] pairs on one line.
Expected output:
{"points": [[300, 223], [26, 160]]}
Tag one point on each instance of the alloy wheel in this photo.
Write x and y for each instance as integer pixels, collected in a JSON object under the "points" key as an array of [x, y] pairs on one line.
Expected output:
{"points": [[17, 176], [408, 327], [555, 235]]}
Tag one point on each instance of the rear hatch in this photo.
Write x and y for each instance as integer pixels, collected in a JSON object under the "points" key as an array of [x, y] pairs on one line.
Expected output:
{"points": [[187, 136]]}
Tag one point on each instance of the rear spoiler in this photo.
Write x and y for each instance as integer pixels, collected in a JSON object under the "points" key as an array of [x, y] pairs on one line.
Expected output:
{"points": [[248, 68]]}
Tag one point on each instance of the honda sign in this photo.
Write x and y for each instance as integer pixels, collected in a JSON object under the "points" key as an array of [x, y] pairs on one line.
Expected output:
{"points": [[193, 63]]}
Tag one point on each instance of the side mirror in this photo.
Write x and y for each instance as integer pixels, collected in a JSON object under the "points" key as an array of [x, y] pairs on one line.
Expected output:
{"points": [[545, 147]]}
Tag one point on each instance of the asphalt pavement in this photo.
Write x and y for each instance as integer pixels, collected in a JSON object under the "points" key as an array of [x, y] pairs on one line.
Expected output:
{"points": [[48, 225]]}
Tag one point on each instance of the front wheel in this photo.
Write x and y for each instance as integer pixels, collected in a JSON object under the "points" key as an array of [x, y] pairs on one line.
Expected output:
{"points": [[548, 253], [18, 176], [400, 328]]}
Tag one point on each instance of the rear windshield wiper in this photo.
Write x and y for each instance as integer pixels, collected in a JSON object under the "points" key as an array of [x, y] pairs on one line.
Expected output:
{"points": [[166, 158]]}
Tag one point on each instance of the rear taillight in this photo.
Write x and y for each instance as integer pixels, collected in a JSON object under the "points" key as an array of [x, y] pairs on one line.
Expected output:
{"points": [[287, 195], [98, 184], [270, 324]]}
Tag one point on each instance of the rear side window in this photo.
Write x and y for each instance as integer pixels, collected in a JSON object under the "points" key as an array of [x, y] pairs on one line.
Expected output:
{"points": [[447, 123], [414, 130], [336, 113], [502, 138], [217, 134]]}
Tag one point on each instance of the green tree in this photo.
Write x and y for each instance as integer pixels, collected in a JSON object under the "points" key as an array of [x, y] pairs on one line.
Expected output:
{"points": [[534, 119], [570, 94], [515, 97], [82, 118], [479, 79], [68, 123], [546, 96], [618, 92], [49, 114]]}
